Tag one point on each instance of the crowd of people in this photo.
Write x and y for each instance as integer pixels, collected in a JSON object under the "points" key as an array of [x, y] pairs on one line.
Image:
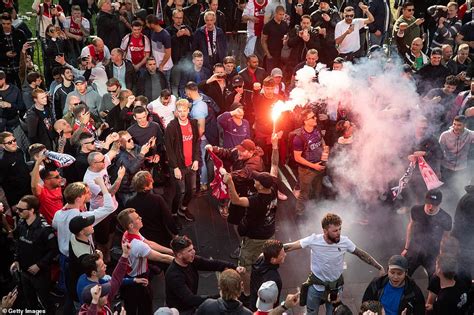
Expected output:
{"points": [[113, 118]]}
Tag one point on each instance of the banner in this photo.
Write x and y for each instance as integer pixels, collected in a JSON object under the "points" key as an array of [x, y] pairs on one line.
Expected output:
{"points": [[402, 183], [429, 176], [218, 187]]}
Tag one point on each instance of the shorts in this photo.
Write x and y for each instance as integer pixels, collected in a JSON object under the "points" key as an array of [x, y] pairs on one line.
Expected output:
{"points": [[249, 251]]}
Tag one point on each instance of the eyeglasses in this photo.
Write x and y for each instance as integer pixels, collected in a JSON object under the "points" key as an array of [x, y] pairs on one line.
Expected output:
{"points": [[350, 16], [10, 142], [21, 209]]}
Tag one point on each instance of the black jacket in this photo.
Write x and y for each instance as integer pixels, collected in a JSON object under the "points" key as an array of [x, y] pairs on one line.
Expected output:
{"points": [[130, 74], [260, 73], [263, 271], [411, 294], [36, 244], [299, 47], [59, 99], [38, 130], [181, 45], [463, 229], [18, 40], [14, 175], [200, 43], [144, 84], [222, 307], [174, 143], [214, 91], [107, 29], [181, 283]]}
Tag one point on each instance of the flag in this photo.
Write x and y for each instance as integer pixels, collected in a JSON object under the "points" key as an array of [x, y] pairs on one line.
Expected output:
{"points": [[429, 176], [60, 159], [218, 187], [402, 183]]}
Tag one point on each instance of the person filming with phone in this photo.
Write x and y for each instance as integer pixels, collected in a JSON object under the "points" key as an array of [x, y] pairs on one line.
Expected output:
{"points": [[347, 40]]}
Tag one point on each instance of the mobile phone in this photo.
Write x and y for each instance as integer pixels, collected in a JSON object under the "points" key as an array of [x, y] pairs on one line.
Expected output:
{"points": [[333, 295]]}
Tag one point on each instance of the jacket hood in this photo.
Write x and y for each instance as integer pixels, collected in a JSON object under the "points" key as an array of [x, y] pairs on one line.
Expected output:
{"points": [[229, 306], [469, 188], [261, 266]]}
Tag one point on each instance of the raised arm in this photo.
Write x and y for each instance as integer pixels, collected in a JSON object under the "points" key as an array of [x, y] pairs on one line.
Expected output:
{"points": [[234, 197], [364, 256]]}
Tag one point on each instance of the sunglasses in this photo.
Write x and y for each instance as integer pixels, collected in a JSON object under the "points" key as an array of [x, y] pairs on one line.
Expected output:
{"points": [[350, 16], [114, 91], [410, 10], [90, 142], [21, 209], [10, 142]]}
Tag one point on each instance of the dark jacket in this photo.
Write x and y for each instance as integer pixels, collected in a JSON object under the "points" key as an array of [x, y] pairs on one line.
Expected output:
{"points": [[38, 130], [221, 307], [181, 283], [430, 76], [263, 271], [380, 9], [36, 244], [299, 47], [174, 143], [120, 118], [260, 74], [318, 21], [411, 294], [144, 84], [14, 175], [158, 224], [214, 91], [18, 40], [107, 29], [13, 96], [132, 163], [59, 99], [130, 74], [53, 49], [463, 229], [189, 74], [181, 45], [200, 43]]}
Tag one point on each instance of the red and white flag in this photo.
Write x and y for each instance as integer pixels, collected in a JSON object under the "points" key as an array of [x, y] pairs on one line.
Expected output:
{"points": [[218, 187], [429, 176]]}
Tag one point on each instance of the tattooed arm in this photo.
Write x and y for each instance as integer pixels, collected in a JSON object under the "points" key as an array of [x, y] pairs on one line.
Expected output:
{"points": [[365, 257]]}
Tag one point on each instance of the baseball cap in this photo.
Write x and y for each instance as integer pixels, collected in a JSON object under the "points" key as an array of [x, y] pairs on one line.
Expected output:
{"points": [[434, 197], [79, 222], [398, 262], [79, 79], [264, 178], [246, 144], [237, 80], [166, 311], [2, 75], [267, 296], [276, 72], [86, 292]]}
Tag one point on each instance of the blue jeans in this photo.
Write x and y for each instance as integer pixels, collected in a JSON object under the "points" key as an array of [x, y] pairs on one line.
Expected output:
{"points": [[314, 300], [203, 176]]}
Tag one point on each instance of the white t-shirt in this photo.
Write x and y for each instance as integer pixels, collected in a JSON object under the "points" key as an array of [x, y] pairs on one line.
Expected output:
{"points": [[351, 42], [97, 200], [137, 260], [165, 112], [327, 260]]}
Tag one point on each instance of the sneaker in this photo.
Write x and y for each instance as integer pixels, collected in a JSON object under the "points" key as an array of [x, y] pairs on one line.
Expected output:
{"points": [[178, 224], [236, 253], [282, 196], [184, 212]]}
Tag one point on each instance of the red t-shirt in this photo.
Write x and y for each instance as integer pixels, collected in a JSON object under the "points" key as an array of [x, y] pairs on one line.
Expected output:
{"points": [[50, 202], [137, 49], [187, 133]]}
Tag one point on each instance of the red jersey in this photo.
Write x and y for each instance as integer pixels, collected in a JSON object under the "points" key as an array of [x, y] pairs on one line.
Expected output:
{"points": [[50, 202], [187, 133]]}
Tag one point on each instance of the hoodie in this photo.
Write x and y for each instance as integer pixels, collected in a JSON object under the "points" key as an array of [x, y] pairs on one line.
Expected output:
{"points": [[221, 306], [456, 148], [91, 98], [263, 271]]}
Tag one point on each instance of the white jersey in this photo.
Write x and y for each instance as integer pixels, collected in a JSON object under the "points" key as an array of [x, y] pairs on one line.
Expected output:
{"points": [[97, 200], [327, 260], [137, 259]]}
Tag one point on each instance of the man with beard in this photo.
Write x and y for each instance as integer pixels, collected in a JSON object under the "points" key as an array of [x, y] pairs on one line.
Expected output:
{"points": [[252, 73], [433, 74], [327, 263], [439, 102], [302, 38]]}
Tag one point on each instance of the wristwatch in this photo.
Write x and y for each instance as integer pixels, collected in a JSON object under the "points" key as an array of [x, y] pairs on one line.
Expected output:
{"points": [[282, 304]]}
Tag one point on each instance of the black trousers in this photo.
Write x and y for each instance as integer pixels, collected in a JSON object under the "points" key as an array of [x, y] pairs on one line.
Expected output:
{"points": [[36, 290], [138, 298]]}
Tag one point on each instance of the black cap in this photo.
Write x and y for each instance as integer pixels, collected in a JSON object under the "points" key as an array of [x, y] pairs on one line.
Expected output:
{"points": [[237, 80], [434, 197], [398, 262], [79, 222], [86, 292], [264, 178]]}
